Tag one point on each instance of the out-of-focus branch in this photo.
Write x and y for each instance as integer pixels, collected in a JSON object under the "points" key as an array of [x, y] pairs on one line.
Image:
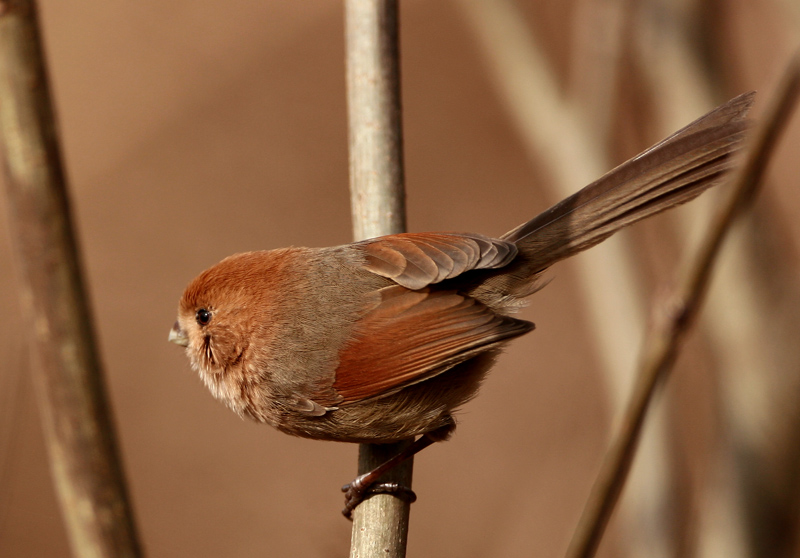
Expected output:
{"points": [[377, 197], [568, 139], [555, 134], [600, 33], [667, 60], [675, 316], [749, 338], [83, 452]]}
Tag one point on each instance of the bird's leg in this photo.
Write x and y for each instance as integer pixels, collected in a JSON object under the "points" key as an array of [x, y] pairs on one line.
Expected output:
{"points": [[356, 491]]}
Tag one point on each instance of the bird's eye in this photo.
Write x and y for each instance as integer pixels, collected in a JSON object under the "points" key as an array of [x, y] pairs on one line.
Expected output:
{"points": [[203, 316]]}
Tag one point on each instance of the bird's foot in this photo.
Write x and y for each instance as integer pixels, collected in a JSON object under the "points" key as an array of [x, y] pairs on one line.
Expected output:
{"points": [[361, 488]]}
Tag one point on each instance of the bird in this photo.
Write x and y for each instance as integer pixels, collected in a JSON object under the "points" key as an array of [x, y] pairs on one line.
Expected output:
{"points": [[384, 339]]}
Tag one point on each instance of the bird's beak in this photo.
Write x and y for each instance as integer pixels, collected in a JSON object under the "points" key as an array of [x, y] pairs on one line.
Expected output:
{"points": [[178, 336]]}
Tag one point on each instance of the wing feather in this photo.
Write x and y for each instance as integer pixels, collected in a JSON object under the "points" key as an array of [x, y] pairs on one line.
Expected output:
{"points": [[416, 260], [413, 335]]}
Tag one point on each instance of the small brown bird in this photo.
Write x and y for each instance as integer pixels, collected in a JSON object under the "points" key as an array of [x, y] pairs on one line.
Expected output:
{"points": [[382, 340]]}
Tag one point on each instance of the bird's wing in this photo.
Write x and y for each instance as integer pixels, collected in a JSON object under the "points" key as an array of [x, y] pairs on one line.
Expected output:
{"points": [[412, 335], [416, 260]]}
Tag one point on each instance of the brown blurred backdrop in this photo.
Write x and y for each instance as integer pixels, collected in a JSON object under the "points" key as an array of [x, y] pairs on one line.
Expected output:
{"points": [[193, 130]]}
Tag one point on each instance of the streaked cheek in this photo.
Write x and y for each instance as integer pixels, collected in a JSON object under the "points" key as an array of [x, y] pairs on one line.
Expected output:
{"points": [[199, 357]]}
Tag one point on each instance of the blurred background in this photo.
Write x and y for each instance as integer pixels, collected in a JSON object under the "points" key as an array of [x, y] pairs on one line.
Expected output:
{"points": [[195, 130]]}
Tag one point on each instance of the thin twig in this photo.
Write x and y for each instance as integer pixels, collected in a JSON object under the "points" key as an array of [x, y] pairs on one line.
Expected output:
{"points": [[667, 60], [380, 523], [75, 412], [744, 337], [673, 319]]}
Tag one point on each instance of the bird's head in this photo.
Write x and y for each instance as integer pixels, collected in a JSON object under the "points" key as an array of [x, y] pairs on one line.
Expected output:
{"points": [[216, 315]]}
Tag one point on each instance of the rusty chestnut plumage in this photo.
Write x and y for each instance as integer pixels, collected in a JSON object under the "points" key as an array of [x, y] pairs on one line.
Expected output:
{"points": [[384, 339]]}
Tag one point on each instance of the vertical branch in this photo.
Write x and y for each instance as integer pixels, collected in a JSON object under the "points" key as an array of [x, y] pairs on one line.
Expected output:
{"points": [[600, 33], [80, 437], [380, 523], [377, 196]]}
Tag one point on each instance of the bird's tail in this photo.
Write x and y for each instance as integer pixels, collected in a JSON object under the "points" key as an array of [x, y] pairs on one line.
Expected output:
{"points": [[671, 172]]}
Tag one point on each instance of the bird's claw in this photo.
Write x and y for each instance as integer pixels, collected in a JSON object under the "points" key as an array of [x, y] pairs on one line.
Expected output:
{"points": [[354, 494], [356, 491]]}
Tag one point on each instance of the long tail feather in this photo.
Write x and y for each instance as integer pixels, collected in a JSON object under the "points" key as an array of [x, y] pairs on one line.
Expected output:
{"points": [[672, 172]]}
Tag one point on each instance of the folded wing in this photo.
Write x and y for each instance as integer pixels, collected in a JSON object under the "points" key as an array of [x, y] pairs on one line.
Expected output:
{"points": [[410, 336], [416, 260]]}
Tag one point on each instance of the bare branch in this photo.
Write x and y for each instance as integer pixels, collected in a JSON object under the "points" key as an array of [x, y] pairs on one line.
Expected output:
{"points": [[84, 458], [569, 139], [672, 320], [377, 196]]}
